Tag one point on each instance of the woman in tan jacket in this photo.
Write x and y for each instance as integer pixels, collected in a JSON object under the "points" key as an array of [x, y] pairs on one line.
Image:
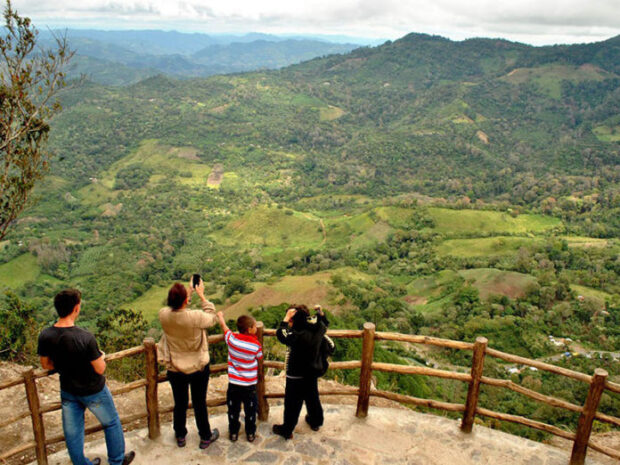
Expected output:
{"points": [[184, 350]]}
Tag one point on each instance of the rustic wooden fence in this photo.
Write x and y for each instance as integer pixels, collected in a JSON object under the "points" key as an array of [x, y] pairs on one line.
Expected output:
{"points": [[598, 383]]}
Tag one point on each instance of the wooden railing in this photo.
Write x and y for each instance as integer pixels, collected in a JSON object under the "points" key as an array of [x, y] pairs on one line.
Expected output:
{"points": [[581, 438]]}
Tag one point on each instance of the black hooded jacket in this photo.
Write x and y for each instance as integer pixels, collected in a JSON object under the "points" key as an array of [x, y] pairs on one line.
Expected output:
{"points": [[307, 347]]}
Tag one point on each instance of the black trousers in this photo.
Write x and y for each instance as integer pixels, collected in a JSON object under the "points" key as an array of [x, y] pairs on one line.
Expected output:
{"points": [[198, 383], [235, 396], [297, 392]]}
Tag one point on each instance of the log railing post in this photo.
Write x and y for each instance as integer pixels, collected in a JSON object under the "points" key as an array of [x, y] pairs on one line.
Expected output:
{"points": [[584, 427], [38, 427], [152, 402], [473, 392], [368, 349], [263, 405]]}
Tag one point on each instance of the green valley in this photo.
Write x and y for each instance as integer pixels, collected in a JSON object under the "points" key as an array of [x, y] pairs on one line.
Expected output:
{"points": [[450, 189]]}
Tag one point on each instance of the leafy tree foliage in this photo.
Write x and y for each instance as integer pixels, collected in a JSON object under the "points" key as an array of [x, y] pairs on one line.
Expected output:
{"points": [[18, 329], [29, 79]]}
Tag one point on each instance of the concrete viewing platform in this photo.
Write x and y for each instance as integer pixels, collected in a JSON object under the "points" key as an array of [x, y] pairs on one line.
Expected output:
{"points": [[386, 436]]}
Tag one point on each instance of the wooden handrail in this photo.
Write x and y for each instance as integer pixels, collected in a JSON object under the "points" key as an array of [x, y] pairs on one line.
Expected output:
{"points": [[415, 339], [18, 450], [450, 407], [124, 353], [420, 370], [549, 400], [11, 382], [340, 391], [13, 419], [337, 333], [540, 365], [129, 387], [588, 412], [613, 387], [95, 428], [215, 338], [614, 453], [526, 422], [607, 419], [51, 407]]}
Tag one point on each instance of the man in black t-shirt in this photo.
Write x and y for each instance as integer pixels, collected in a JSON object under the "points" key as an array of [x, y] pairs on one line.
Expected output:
{"points": [[73, 352]]}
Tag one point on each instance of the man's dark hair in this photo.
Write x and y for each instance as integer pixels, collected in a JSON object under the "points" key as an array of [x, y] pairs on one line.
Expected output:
{"points": [[65, 301], [176, 296], [300, 319], [244, 323]]}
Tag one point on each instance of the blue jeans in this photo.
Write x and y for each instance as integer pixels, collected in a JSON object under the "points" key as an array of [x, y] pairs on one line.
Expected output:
{"points": [[102, 406]]}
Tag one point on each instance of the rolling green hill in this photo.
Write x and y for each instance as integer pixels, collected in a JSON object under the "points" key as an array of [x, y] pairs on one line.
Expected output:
{"points": [[448, 189], [425, 183]]}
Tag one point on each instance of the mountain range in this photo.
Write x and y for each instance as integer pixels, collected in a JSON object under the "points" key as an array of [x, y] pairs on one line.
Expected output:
{"points": [[124, 57]]}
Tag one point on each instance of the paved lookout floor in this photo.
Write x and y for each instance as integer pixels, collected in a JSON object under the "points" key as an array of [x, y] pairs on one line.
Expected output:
{"points": [[387, 436]]}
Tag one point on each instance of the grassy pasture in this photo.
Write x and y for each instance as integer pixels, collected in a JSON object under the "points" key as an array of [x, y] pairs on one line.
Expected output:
{"points": [[450, 221], [309, 290], [607, 134], [271, 227], [550, 77], [397, 217], [19, 271], [150, 302], [480, 247], [164, 161], [51, 184], [422, 289], [589, 292], [587, 242], [96, 194], [490, 281], [358, 230], [425, 294], [330, 113]]}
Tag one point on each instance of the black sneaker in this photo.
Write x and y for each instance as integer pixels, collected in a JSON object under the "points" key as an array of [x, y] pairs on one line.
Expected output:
{"points": [[129, 456], [181, 442], [313, 428], [251, 437], [97, 461], [279, 430], [204, 443], [233, 437]]}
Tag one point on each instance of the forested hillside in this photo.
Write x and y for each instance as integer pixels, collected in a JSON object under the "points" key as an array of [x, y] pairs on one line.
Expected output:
{"points": [[455, 189]]}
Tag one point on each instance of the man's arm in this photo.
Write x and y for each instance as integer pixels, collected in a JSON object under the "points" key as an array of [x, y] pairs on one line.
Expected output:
{"points": [[46, 363], [99, 364], [95, 355]]}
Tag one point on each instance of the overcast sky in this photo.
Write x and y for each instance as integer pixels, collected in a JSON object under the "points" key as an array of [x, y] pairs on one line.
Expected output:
{"points": [[537, 22]]}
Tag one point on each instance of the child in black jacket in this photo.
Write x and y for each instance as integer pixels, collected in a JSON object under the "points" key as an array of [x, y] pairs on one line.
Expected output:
{"points": [[306, 360]]}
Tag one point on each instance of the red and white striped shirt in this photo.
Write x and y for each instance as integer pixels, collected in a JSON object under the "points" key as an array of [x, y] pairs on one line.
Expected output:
{"points": [[244, 351]]}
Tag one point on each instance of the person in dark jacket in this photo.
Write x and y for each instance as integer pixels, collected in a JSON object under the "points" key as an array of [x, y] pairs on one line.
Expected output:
{"points": [[306, 360]]}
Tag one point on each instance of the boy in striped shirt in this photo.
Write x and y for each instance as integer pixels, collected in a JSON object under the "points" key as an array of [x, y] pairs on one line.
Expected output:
{"points": [[244, 351]]}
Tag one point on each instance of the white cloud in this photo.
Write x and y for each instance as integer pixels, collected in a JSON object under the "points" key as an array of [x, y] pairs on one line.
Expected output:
{"points": [[533, 21]]}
